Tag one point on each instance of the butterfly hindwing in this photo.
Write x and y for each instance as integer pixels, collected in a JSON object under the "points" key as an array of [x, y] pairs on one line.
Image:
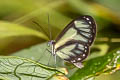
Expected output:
{"points": [[74, 41], [73, 51]]}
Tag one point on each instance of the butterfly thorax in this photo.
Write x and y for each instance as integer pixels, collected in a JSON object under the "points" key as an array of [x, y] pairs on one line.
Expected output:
{"points": [[51, 44]]}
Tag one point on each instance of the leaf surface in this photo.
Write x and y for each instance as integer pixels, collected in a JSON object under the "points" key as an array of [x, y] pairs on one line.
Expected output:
{"points": [[16, 68], [96, 66]]}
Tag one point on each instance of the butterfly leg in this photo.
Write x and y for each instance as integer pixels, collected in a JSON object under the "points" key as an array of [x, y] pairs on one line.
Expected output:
{"points": [[44, 54], [54, 54], [49, 59], [41, 55], [49, 51], [50, 55], [55, 60]]}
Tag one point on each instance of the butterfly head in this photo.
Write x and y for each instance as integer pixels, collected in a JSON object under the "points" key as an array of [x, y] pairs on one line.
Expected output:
{"points": [[51, 42]]}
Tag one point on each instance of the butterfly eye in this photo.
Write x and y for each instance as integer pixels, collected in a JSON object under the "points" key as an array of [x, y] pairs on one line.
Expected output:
{"points": [[49, 43]]}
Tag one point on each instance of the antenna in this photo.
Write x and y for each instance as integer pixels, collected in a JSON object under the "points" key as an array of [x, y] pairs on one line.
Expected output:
{"points": [[49, 28], [41, 28], [50, 32]]}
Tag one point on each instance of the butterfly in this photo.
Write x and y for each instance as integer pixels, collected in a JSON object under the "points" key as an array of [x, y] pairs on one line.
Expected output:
{"points": [[74, 41]]}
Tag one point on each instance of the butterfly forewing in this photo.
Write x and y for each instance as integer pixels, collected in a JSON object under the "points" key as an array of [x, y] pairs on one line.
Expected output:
{"points": [[73, 42]]}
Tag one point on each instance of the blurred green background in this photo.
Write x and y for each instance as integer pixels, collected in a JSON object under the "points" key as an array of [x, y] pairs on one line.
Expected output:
{"points": [[61, 12]]}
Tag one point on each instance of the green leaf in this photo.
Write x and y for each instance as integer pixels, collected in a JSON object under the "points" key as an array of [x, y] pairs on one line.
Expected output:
{"points": [[10, 30], [93, 67], [16, 68]]}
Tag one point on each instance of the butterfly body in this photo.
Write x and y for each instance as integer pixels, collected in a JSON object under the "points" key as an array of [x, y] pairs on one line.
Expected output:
{"points": [[73, 43]]}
